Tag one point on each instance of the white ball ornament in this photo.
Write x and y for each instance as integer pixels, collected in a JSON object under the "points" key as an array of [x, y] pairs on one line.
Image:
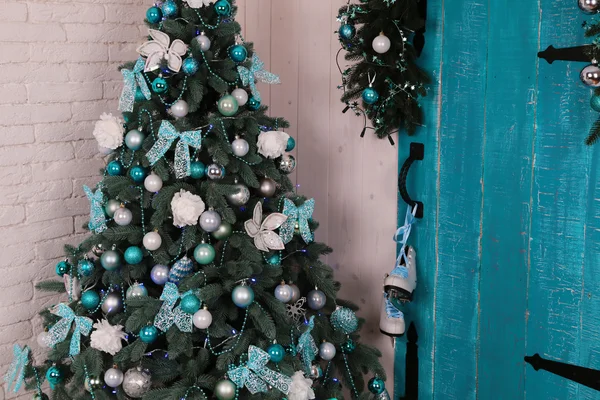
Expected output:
{"points": [[284, 293], [202, 318], [123, 216], [113, 377], [240, 147], [152, 241], [381, 44], [210, 221], [327, 351], [241, 96], [153, 183], [203, 41], [180, 109]]}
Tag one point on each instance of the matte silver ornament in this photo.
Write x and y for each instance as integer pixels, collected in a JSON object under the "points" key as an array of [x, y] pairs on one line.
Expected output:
{"points": [[180, 109], [267, 187], [152, 241], [240, 197], [381, 44], [160, 274], [215, 171], [287, 163], [327, 351], [153, 183], [225, 390], [210, 220], [134, 139], [589, 6], [113, 377], [316, 371], [316, 299], [111, 207], [240, 147], [112, 304], [241, 96], [202, 318], [136, 382], [203, 41], [295, 293], [590, 75], [98, 250], [283, 293], [122, 216], [136, 290]]}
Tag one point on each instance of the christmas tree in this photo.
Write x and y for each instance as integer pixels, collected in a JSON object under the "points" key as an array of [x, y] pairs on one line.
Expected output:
{"points": [[201, 277]]}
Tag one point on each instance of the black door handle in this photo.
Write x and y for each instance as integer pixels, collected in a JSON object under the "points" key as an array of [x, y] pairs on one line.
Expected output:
{"points": [[417, 152]]}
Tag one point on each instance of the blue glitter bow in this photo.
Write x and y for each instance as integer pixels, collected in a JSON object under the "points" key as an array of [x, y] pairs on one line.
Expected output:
{"points": [[299, 215], [167, 315], [16, 372], [307, 346], [167, 134], [401, 237], [256, 72], [132, 79], [97, 217], [60, 330], [255, 375], [390, 309]]}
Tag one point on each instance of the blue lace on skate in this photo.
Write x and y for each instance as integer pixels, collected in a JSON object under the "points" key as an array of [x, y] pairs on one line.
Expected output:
{"points": [[401, 237], [390, 309]]}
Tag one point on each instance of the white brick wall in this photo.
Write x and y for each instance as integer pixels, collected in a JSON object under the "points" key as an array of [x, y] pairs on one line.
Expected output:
{"points": [[58, 63]]}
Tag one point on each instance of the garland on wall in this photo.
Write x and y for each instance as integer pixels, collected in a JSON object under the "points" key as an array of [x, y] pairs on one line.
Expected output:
{"points": [[383, 38]]}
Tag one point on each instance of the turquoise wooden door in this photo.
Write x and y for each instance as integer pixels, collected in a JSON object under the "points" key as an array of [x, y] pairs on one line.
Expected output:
{"points": [[508, 247]]}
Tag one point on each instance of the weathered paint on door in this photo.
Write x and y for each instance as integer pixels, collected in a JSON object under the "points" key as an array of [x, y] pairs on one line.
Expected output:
{"points": [[508, 248]]}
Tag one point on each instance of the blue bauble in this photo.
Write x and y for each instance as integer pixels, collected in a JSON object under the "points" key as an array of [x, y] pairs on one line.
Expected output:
{"points": [[169, 9], [138, 174], [344, 319], [348, 346], [54, 376], [253, 104], [595, 103], [181, 269], [114, 168], [276, 352], [85, 267], [160, 85], [62, 268], [133, 255], [238, 53], [154, 15], [242, 296], [139, 95], [90, 299], [198, 168], [190, 66], [148, 334], [370, 95], [291, 144], [190, 303], [204, 253], [274, 259], [223, 8], [347, 31], [376, 385]]}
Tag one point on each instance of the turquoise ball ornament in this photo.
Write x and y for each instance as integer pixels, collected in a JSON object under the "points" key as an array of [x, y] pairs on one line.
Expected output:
{"points": [[595, 102], [190, 66], [344, 319], [228, 105], [347, 31], [139, 95], [62, 268], [376, 385], [370, 95], [348, 346], [154, 15], [85, 267], [276, 352], [54, 376], [291, 144], [138, 174], [238, 53], [90, 299], [133, 255], [190, 304], [253, 104], [274, 259], [223, 8], [242, 296], [148, 334], [160, 85], [169, 9], [198, 168], [204, 253], [114, 168]]}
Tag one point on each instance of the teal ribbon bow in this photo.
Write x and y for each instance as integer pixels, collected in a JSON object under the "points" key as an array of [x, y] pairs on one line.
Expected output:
{"points": [[299, 215], [256, 72], [255, 375], [16, 372], [401, 237], [167, 134], [132, 79], [168, 315], [60, 330], [307, 347], [97, 222]]}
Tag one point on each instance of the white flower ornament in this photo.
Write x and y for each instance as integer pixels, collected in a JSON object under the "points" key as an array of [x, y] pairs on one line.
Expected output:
{"points": [[107, 337], [198, 3], [262, 231], [161, 48]]}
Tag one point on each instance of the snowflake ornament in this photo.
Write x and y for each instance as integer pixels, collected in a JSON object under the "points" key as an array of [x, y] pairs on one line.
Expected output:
{"points": [[262, 231], [198, 3], [161, 48], [296, 311]]}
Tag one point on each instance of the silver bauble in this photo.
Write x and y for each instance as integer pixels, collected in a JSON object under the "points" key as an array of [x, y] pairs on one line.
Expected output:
{"points": [[589, 6], [381, 44], [160, 274], [225, 390], [179, 109], [136, 382], [316, 299], [110, 260], [315, 371], [590, 75], [122, 216], [267, 187], [112, 304], [240, 197], [203, 41], [240, 147], [287, 163], [283, 293], [153, 183], [215, 171], [134, 139], [327, 351], [202, 319], [152, 241], [98, 250], [111, 207], [113, 377], [295, 293], [241, 96], [72, 286], [136, 290], [210, 221]]}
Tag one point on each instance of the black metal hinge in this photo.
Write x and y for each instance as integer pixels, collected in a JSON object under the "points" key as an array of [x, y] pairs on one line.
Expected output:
{"points": [[585, 376], [576, 53]]}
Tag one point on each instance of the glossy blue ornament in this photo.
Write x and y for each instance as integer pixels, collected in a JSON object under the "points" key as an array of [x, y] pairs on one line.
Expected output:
{"points": [[114, 168], [62, 268], [90, 299], [291, 144], [133, 255], [54, 376], [253, 104], [370, 95], [148, 334], [139, 95], [344, 319], [190, 304], [348, 346], [198, 169], [238, 53], [595, 103], [276, 352], [160, 85], [169, 9], [242, 296], [154, 15], [137, 174], [190, 66], [223, 8], [85, 267], [347, 31], [376, 385], [274, 259]]}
